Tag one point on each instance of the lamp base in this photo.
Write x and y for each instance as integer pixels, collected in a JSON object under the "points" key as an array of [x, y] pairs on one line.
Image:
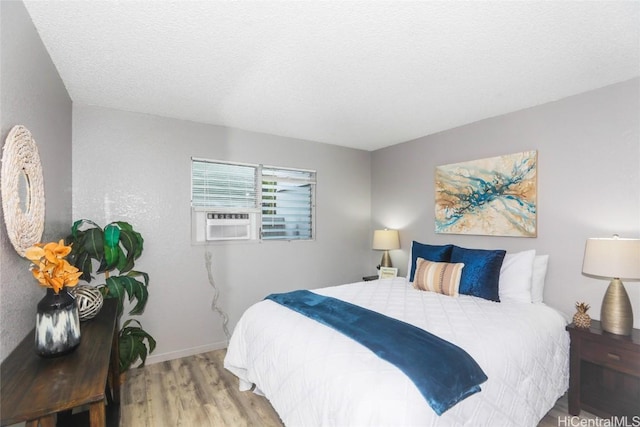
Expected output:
{"points": [[386, 260], [616, 315]]}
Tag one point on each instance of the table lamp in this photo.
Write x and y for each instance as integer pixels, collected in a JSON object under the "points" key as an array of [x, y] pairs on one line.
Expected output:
{"points": [[386, 240], [614, 258]]}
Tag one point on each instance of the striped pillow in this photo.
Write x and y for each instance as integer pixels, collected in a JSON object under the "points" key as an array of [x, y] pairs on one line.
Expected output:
{"points": [[440, 277]]}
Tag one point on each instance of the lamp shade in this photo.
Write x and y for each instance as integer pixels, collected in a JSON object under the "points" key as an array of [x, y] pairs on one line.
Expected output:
{"points": [[384, 240], [612, 258]]}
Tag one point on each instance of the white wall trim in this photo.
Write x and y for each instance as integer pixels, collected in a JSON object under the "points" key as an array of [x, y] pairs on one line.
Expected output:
{"points": [[157, 358]]}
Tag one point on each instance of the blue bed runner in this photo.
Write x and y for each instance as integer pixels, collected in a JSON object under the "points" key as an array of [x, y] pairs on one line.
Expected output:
{"points": [[444, 373]]}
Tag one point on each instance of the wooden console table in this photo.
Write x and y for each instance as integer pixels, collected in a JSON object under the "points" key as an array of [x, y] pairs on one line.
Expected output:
{"points": [[34, 389]]}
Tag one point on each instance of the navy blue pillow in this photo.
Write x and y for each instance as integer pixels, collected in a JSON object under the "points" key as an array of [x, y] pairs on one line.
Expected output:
{"points": [[428, 252], [481, 271]]}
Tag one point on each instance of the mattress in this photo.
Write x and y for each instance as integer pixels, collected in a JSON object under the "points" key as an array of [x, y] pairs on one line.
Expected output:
{"points": [[313, 375]]}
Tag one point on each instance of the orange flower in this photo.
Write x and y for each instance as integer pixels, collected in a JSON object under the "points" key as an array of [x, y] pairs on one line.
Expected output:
{"points": [[50, 268]]}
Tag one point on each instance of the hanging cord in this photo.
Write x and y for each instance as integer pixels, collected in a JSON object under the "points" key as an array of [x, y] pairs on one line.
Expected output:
{"points": [[216, 294]]}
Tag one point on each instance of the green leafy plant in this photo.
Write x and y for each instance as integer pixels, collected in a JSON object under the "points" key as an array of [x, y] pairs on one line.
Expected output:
{"points": [[131, 341], [116, 248]]}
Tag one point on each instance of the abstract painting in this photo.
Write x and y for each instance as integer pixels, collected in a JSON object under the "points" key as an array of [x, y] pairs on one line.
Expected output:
{"points": [[492, 197]]}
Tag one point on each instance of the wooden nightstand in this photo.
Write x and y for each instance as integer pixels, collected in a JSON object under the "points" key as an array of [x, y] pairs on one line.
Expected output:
{"points": [[605, 372]]}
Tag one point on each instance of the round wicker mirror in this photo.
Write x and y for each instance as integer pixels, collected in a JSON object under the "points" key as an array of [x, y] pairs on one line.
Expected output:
{"points": [[22, 189]]}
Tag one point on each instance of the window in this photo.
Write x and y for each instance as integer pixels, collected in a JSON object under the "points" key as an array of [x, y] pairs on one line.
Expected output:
{"points": [[282, 199], [287, 204], [223, 185]]}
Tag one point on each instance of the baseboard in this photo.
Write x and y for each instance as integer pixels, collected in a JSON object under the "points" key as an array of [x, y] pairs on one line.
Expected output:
{"points": [[157, 358]]}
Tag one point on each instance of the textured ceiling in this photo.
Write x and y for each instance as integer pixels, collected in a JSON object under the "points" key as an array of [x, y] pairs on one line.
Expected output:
{"points": [[363, 74]]}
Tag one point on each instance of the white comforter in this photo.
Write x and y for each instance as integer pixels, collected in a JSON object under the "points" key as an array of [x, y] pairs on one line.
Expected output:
{"points": [[314, 376]]}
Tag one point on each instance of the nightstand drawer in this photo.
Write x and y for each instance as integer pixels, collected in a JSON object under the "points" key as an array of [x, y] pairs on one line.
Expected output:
{"points": [[611, 356]]}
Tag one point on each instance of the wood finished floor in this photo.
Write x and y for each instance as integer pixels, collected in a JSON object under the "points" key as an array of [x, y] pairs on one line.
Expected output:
{"points": [[198, 391]]}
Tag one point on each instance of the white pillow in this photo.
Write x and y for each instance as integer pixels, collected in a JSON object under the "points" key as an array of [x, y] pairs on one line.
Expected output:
{"points": [[539, 273], [516, 275]]}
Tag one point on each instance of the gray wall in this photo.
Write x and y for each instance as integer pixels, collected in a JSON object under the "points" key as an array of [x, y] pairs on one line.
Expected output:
{"points": [[31, 94], [588, 184], [136, 167]]}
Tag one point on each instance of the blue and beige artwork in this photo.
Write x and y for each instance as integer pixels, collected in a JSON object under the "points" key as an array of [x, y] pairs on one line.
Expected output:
{"points": [[494, 196]]}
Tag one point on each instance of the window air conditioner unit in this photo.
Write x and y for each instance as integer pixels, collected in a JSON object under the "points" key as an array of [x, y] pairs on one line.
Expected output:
{"points": [[230, 226]]}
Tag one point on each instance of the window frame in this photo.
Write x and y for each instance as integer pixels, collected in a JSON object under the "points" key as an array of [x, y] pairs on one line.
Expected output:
{"points": [[312, 181], [259, 208]]}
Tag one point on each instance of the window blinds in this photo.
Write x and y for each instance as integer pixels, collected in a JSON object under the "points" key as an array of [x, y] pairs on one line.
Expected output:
{"points": [[223, 185], [285, 197], [287, 203]]}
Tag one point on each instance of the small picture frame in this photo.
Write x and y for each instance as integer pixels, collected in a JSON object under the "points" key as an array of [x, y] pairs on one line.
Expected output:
{"points": [[388, 272]]}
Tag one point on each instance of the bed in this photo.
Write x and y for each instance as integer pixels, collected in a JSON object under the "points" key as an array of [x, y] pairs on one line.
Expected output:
{"points": [[313, 375]]}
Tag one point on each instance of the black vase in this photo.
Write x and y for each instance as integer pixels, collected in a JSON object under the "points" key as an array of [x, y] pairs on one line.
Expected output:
{"points": [[57, 324]]}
